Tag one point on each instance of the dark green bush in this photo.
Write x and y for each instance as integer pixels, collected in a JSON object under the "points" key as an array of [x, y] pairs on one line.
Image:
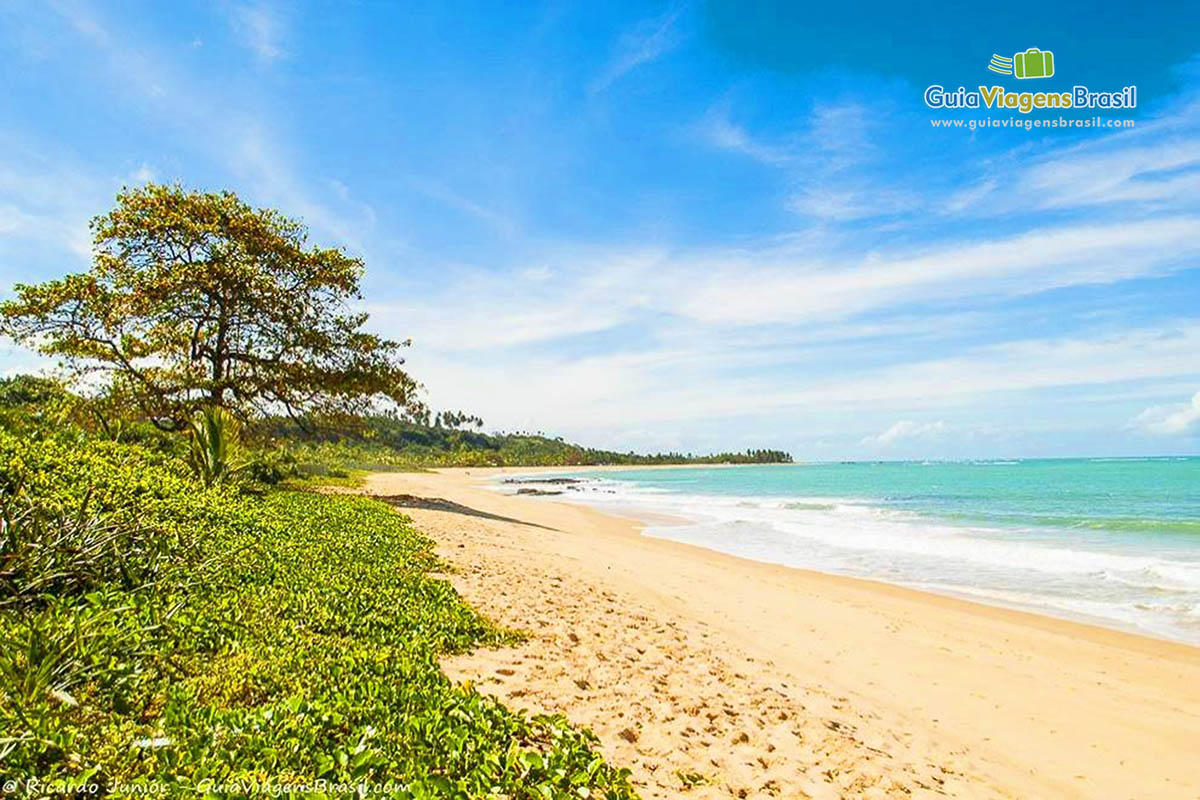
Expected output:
{"points": [[154, 629], [271, 467]]}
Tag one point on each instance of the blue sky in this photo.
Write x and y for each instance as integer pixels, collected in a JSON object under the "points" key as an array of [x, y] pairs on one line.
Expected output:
{"points": [[689, 226]]}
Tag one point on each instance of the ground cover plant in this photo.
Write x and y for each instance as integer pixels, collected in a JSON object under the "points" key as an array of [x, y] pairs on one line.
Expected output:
{"points": [[155, 630]]}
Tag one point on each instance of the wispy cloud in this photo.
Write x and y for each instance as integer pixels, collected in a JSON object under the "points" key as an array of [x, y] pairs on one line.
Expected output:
{"points": [[597, 395], [259, 28], [142, 174], [846, 164], [254, 153], [138, 72], [540, 304], [852, 199], [1147, 172], [844, 134], [773, 290], [1154, 167], [241, 140], [721, 132], [968, 196], [436, 190], [647, 41], [771, 286], [828, 162], [45, 205], [906, 429]]}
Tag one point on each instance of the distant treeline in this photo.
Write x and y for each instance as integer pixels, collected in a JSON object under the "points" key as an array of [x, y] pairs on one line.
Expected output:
{"points": [[371, 442], [390, 441]]}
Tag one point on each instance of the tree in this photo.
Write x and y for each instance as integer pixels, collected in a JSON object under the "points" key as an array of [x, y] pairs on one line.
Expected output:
{"points": [[196, 300], [456, 420]]}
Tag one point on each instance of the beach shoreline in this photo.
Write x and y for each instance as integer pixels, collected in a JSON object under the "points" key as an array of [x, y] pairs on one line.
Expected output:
{"points": [[887, 686], [658, 523]]}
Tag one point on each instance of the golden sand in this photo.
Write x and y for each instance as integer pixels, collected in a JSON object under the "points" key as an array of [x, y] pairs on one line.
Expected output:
{"points": [[713, 676]]}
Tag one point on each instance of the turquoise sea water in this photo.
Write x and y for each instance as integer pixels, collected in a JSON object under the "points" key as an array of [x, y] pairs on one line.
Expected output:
{"points": [[1111, 541]]}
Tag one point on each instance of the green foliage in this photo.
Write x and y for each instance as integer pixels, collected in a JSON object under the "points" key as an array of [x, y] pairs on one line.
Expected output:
{"points": [[215, 448], [29, 391], [151, 628], [39, 407], [271, 467], [381, 442], [34, 405], [198, 299]]}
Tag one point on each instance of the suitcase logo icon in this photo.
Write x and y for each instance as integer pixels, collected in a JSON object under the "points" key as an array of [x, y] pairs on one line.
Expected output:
{"points": [[1033, 63]]}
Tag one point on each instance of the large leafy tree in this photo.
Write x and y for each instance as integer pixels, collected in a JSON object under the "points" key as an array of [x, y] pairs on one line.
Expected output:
{"points": [[199, 300]]}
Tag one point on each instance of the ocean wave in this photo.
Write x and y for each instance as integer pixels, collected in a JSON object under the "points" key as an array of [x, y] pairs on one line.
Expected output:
{"points": [[1045, 567]]}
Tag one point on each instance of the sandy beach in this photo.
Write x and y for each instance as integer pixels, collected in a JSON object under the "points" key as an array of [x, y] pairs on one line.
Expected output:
{"points": [[713, 676]]}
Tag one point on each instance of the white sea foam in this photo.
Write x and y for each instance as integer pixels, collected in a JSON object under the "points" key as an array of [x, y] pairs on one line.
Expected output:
{"points": [[1060, 574]]}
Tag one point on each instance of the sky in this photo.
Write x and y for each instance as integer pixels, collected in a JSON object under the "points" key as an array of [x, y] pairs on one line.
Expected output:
{"points": [[680, 226]]}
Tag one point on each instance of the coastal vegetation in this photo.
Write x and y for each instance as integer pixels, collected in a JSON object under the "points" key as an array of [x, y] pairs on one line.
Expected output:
{"points": [[178, 606], [214, 639], [391, 442]]}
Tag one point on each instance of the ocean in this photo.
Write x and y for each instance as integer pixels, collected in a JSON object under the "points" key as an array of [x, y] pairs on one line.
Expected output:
{"points": [[1114, 542]]}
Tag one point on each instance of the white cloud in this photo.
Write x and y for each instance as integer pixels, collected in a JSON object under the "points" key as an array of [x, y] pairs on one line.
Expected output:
{"points": [[844, 133], [1021, 366], [48, 196], [19, 361], [239, 139], [537, 274], [721, 132], [45, 205], [760, 295], [833, 161], [906, 429], [143, 174], [435, 190], [1175, 419], [497, 310], [850, 200], [826, 162], [710, 381], [724, 134], [1147, 172], [765, 286], [969, 196], [647, 41], [1156, 165], [260, 29], [138, 73], [254, 154]]}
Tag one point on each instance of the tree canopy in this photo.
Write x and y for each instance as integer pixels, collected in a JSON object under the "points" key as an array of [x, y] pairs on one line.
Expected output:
{"points": [[196, 299]]}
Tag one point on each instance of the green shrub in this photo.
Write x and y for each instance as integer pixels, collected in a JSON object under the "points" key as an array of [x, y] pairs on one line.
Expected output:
{"points": [[186, 634], [215, 448], [52, 554], [271, 467], [35, 406]]}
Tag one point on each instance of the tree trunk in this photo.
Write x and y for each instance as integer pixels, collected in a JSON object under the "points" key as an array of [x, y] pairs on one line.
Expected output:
{"points": [[217, 393]]}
